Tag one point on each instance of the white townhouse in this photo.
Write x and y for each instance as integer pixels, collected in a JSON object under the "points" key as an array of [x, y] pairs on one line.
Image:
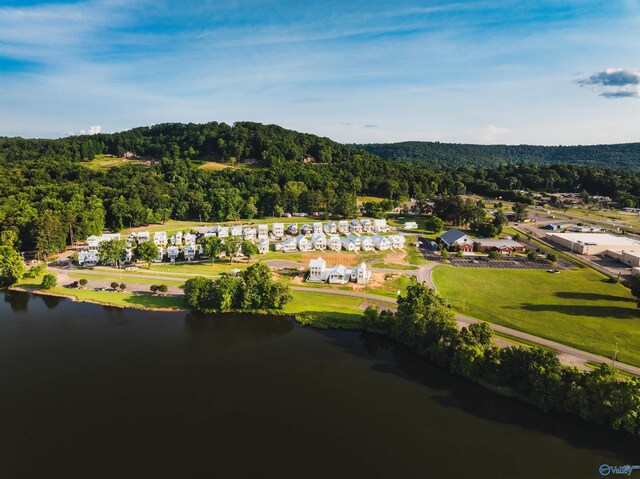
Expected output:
{"points": [[330, 228], [292, 229], [366, 244], [128, 255], [236, 231], [160, 238], [355, 226], [263, 231], [319, 241], [334, 243], [263, 245], [223, 232], [287, 246], [317, 227], [143, 236], [250, 234], [381, 243], [304, 244], [94, 241], [343, 227], [306, 230], [176, 239], [339, 274], [172, 253], [367, 226], [190, 252], [88, 258], [380, 226], [348, 244], [189, 239], [410, 225], [356, 239], [278, 230], [397, 241], [361, 274]]}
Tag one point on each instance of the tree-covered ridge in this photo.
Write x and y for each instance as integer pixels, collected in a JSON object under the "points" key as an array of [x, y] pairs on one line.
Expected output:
{"points": [[453, 155]]}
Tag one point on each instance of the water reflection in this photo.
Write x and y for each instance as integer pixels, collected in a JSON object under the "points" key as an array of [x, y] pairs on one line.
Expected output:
{"points": [[18, 301], [51, 301]]}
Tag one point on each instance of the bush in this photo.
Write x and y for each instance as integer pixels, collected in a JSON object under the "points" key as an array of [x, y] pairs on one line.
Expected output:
{"points": [[163, 288], [552, 257], [49, 281], [494, 254], [532, 256], [83, 282], [114, 285], [154, 288], [122, 286]]}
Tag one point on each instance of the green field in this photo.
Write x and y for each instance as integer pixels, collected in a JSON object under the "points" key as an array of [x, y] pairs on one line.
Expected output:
{"points": [[327, 310], [100, 162], [123, 278], [575, 307]]}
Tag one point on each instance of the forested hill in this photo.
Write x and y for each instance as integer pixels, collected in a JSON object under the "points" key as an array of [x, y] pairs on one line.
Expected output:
{"points": [[453, 155]]}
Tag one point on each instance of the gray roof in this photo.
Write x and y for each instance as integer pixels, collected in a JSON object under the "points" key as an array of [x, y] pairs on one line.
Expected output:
{"points": [[452, 235]]}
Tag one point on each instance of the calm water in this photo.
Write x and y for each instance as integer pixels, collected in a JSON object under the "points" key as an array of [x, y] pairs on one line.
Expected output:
{"points": [[88, 391]]}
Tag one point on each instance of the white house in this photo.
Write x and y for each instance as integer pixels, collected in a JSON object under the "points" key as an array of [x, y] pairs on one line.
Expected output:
{"points": [[143, 236], [94, 242], [343, 227], [128, 255], [250, 234], [263, 246], [292, 229], [397, 241], [160, 238], [356, 239], [317, 269], [330, 228], [172, 253], [236, 231], [263, 231], [367, 226], [306, 230], [349, 244], [189, 239], [160, 256], [355, 226], [176, 239], [190, 252], [317, 227], [381, 243], [278, 230], [366, 244], [287, 246], [223, 232], [380, 226], [361, 274], [410, 225], [304, 244], [88, 258], [334, 243], [319, 241]]}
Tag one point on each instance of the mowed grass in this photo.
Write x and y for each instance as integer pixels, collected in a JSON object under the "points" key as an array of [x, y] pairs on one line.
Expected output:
{"points": [[102, 163], [575, 307], [123, 278], [333, 310], [213, 166]]}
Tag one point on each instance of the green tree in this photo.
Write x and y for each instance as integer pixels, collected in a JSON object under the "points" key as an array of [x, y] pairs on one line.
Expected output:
{"points": [[112, 251], [83, 282], [520, 210], [260, 291], [197, 292], [12, 268], [212, 247], [114, 285], [552, 257], [147, 252], [162, 288], [248, 249], [433, 223], [49, 281], [224, 295], [51, 234], [231, 246]]}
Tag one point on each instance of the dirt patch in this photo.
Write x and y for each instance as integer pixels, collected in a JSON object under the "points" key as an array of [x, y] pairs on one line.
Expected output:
{"points": [[396, 257], [332, 258]]}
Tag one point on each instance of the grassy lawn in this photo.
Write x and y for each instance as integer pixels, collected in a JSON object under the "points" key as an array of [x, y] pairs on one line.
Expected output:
{"points": [[369, 199], [212, 166], [123, 278], [393, 266], [326, 310], [577, 307], [100, 162]]}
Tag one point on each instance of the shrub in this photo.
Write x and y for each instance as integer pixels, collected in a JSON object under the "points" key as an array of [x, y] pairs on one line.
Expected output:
{"points": [[494, 254], [122, 286], [83, 282], [163, 288], [114, 285], [49, 281]]}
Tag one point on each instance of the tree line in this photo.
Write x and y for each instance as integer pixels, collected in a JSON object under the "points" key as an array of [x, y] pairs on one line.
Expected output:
{"points": [[424, 322]]}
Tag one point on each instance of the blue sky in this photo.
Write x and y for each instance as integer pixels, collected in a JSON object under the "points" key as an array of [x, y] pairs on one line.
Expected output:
{"points": [[543, 72]]}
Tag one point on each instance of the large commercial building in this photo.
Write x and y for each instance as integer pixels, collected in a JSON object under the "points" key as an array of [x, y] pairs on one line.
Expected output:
{"points": [[594, 243]]}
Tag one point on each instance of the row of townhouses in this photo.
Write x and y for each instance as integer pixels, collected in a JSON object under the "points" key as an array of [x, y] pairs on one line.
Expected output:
{"points": [[339, 274]]}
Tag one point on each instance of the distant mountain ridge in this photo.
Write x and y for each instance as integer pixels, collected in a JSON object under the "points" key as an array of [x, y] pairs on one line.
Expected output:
{"points": [[453, 155]]}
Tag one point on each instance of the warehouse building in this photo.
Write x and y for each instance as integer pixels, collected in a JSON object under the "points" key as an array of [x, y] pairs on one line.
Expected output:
{"points": [[594, 243]]}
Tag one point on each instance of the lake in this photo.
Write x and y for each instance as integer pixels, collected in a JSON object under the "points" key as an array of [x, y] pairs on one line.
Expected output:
{"points": [[91, 391]]}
